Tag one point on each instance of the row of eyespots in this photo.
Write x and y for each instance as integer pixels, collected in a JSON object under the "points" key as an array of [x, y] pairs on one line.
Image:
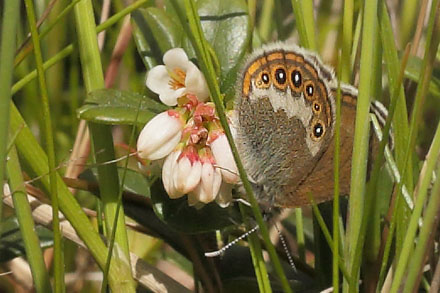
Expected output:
{"points": [[280, 80]]}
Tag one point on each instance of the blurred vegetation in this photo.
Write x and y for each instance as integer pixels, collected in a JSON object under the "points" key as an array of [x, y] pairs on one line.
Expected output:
{"points": [[384, 237]]}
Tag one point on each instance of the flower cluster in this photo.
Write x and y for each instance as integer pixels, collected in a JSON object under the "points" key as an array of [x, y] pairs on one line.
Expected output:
{"points": [[198, 160]]}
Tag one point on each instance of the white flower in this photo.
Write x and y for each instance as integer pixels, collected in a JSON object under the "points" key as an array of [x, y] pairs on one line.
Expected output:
{"points": [[176, 78], [188, 170], [224, 158], [160, 136], [168, 170], [209, 186]]}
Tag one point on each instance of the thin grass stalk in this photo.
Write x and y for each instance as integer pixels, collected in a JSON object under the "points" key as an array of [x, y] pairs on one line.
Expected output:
{"points": [[11, 12], [309, 23], [356, 40], [400, 122], [266, 19], [372, 222], [59, 285], [102, 137], [432, 43], [361, 140], [27, 47], [300, 237], [369, 233], [429, 221], [336, 158], [34, 255], [257, 261], [372, 185], [408, 20], [300, 24], [195, 34], [118, 208], [66, 51], [347, 40], [328, 238]]}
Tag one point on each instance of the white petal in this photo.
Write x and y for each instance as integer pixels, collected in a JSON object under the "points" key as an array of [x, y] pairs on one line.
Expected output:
{"points": [[158, 79], [209, 183], [169, 97], [224, 159], [159, 137], [195, 83], [217, 182], [166, 148], [168, 173], [193, 178], [188, 175], [175, 57]]}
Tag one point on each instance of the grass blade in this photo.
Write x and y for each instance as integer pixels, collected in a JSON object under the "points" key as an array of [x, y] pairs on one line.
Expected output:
{"points": [[11, 10], [59, 285]]}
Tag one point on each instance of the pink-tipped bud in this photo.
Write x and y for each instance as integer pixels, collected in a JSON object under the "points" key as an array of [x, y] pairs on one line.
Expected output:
{"points": [[160, 136]]}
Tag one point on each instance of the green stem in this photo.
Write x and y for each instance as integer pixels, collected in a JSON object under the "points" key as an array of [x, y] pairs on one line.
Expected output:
{"points": [[433, 39], [347, 40], [257, 256], [429, 221], [59, 285], [102, 137], [336, 159], [11, 11], [23, 212], [361, 139], [300, 24]]}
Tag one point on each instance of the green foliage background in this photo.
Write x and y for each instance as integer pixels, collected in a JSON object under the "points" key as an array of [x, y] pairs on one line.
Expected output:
{"points": [[383, 237]]}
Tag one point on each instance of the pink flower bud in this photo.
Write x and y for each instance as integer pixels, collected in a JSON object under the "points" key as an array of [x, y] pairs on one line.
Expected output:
{"points": [[160, 136]]}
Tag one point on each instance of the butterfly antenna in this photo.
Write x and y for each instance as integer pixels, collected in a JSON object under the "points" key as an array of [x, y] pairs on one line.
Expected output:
{"points": [[284, 244], [227, 246]]}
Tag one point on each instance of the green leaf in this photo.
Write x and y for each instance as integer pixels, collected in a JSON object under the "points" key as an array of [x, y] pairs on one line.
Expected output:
{"points": [[183, 218], [156, 33], [109, 106], [11, 242], [134, 182], [226, 27]]}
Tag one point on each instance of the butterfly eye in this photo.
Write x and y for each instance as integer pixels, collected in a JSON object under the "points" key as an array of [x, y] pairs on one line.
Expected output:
{"points": [[265, 78], [309, 90], [316, 107], [318, 130], [280, 76], [296, 78]]}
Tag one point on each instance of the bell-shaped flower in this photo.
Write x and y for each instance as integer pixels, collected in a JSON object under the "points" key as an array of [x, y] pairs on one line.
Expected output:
{"points": [[160, 136], [224, 158], [176, 78], [168, 171], [188, 170], [210, 181]]}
